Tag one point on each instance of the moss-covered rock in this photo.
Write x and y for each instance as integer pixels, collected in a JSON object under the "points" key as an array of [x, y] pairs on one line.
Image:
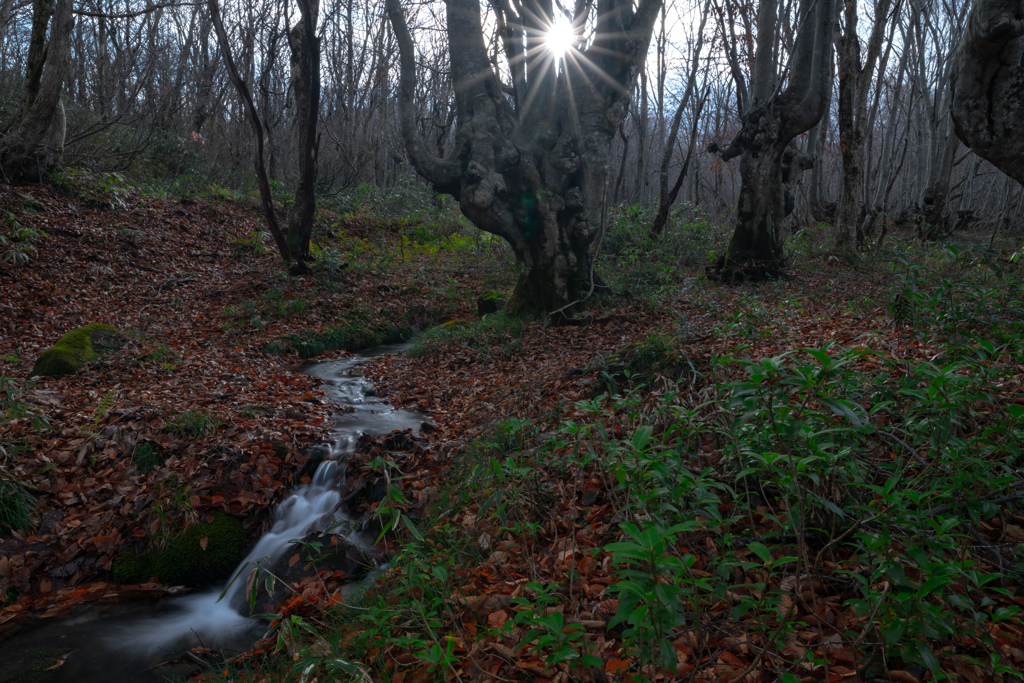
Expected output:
{"points": [[185, 560], [75, 349]]}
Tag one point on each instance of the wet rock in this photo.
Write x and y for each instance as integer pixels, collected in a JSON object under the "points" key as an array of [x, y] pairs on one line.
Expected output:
{"points": [[315, 455], [316, 553]]}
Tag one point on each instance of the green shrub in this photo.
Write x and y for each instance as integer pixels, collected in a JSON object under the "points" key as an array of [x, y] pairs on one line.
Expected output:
{"points": [[146, 457], [656, 355], [17, 507], [649, 267], [360, 328]]}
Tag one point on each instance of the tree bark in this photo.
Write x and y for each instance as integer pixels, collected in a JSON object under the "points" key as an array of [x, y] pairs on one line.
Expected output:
{"points": [[36, 143], [987, 102], [305, 65], [854, 83]]}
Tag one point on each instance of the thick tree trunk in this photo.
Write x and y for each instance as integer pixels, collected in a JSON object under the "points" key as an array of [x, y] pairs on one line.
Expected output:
{"points": [[754, 251], [771, 120], [35, 144], [987, 102]]}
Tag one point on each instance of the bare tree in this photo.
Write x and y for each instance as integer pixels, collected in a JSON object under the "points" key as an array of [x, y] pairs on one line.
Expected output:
{"points": [[257, 129], [531, 157], [855, 78], [667, 195], [772, 117], [988, 84], [294, 242]]}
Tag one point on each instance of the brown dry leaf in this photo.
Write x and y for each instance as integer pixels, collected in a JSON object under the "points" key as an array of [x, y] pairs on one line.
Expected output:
{"points": [[497, 619], [203, 542], [903, 676]]}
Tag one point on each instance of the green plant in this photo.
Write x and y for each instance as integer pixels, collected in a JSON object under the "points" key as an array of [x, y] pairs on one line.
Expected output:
{"points": [[192, 424], [17, 507], [21, 240], [108, 191], [146, 457], [499, 331], [546, 631]]}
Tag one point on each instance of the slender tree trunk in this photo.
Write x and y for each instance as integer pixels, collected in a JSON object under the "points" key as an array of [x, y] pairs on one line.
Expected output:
{"points": [[257, 128], [854, 81], [666, 196], [305, 66]]}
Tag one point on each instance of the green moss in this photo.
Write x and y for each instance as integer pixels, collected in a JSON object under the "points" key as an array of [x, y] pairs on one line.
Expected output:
{"points": [[359, 329], [75, 349], [184, 561], [130, 568]]}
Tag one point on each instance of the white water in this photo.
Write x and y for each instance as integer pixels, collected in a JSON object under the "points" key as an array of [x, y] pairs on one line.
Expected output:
{"points": [[209, 620]]}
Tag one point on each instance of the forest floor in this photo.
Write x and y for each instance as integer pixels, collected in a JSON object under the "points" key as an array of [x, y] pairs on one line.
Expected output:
{"points": [[811, 479]]}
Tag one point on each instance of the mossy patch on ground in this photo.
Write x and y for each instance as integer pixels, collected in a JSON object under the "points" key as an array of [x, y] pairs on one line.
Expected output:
{"points": [[498, 331], [359, 329], [75, 349], [185, 560]]}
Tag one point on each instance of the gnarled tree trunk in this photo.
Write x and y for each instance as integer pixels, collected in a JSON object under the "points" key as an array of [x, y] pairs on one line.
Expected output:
{"points": [[35, 142], [533, 170], [771, 120], [988, 85]]}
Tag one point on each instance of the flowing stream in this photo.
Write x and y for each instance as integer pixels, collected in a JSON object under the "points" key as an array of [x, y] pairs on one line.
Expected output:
{"points": [[134, 641]]}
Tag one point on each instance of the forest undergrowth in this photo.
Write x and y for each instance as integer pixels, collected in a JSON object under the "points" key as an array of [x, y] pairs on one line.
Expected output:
{"points": [[816, 479], [810, 479]]}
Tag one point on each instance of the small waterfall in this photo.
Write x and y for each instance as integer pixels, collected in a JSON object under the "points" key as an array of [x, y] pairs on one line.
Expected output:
{"points": [[210, 620], [216, 621]]}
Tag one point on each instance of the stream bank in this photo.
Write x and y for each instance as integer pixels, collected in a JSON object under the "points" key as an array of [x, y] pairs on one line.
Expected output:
{"points": [[155, 639]]}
